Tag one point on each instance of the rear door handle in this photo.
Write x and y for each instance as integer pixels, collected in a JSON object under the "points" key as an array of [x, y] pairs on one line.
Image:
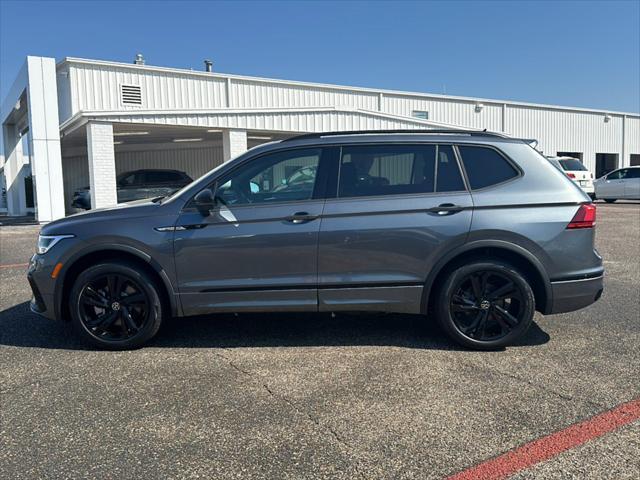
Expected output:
{"points": [[445, 209], [300, 217]]}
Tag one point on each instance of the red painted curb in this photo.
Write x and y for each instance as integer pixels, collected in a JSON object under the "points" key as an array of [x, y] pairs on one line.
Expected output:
{"points": [[547, 447], [14, 265]]}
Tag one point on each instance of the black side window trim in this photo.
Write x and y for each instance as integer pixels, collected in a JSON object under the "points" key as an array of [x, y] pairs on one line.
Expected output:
{"points": [[514, 165]]}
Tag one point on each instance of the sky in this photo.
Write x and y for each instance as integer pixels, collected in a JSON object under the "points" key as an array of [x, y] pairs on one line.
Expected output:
{"points": [[575, 53]]}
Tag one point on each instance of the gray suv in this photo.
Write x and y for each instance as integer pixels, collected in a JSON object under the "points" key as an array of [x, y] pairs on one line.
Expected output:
{"points": [[474, 229]]}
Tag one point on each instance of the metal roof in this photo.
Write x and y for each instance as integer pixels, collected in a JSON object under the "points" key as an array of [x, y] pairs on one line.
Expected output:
{"points": [[71, 60]]}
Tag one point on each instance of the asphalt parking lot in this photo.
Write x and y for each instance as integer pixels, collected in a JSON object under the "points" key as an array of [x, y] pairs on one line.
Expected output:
{"points": [[311, 396]]}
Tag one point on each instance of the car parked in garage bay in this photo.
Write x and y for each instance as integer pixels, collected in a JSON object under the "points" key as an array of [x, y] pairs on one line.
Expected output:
{"points": [[138, 184]]}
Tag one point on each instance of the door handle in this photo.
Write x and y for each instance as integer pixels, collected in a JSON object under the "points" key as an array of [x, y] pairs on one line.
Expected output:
{"points": [[300, 217], [445, 209]]}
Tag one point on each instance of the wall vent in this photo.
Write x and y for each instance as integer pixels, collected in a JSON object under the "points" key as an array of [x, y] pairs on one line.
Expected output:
{"points": [[131, 94]]}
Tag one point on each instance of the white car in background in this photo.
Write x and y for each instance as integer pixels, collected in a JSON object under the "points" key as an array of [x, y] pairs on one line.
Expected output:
{"points": [[623, 183], [576, 171]]}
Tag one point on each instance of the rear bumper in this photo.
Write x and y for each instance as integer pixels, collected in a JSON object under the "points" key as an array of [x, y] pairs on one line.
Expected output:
{"points": [[573, 295]]}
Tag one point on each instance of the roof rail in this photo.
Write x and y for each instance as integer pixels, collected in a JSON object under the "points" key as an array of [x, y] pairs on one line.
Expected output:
{"points": [[424, 131]]}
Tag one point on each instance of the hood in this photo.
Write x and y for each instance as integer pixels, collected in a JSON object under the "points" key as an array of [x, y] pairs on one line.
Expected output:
{"points": [[137, 208]]}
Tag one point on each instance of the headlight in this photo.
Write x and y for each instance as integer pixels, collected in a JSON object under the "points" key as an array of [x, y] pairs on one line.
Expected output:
{"points": [[46, 242]]}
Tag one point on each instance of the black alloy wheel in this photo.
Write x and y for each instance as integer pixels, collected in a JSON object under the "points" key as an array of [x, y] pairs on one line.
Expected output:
{"points": [[485, 305], [116, 306]]}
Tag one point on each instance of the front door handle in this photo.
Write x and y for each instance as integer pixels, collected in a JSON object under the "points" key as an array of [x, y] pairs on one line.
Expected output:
{"points": [[300, 217], [445, 209]]}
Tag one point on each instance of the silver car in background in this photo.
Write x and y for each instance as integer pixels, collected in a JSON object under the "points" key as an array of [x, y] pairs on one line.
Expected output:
{"points": [[474, 230], [620, 184]]}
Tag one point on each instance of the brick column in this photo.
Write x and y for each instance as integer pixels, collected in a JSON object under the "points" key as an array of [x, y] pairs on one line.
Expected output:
{"points": [[102, 165], [234, 143]]}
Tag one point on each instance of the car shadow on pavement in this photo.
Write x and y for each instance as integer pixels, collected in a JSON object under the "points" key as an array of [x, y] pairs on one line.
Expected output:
{"points": [[21, 328]]}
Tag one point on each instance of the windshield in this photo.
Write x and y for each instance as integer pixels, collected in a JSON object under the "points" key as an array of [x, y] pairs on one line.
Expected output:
{"points": [[572, 164]]}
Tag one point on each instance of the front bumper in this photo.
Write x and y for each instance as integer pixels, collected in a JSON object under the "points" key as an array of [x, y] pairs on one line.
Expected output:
{"points": [[570, 295], [41, 283]]}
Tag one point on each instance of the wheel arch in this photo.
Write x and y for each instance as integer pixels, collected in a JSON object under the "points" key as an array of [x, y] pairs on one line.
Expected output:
{"points": [[86, 258], [518, 256]]}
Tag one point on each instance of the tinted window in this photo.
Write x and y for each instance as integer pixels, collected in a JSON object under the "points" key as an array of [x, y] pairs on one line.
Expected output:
{"points": [[127, 180], [386, 170], [485, 166], [161, 176], [572, 164], [633, 173], [618, 174], [448, 173], [276, 177]]}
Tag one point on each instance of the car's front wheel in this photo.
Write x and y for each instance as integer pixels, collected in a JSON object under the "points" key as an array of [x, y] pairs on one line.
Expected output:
{"points": [[115, 306], [485, 304]]}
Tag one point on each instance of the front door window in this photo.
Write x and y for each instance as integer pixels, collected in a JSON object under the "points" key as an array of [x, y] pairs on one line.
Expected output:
{"points": [[274, 178]]}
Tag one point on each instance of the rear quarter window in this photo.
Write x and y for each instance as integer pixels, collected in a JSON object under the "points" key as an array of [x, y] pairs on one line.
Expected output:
{"points": [[485, 166]]}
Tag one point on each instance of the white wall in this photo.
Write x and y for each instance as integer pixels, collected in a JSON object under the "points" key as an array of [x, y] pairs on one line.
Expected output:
{"points": [[206, 99]]}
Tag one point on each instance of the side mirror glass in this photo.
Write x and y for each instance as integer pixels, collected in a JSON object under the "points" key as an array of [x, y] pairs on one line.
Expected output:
{"points": [[204, 201]]}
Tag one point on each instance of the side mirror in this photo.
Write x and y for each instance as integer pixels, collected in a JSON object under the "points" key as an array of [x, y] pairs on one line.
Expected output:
{"points": [[204, 201]]}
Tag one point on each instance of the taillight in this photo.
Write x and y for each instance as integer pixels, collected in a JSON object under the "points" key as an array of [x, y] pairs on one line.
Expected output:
{"points": [[571, 175], [585, 217]]}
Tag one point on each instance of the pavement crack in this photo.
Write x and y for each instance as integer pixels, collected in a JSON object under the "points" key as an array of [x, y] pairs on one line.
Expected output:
{"points": [[552, 391], [279, 397]]}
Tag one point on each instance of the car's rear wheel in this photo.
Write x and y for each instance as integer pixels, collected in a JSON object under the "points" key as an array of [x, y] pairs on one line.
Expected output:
{"points": [[115, 306], [485, 305], [609, 200]]}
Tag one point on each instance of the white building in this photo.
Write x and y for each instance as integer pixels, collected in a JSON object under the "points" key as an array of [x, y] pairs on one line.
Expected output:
{"points": [[81, 122]]}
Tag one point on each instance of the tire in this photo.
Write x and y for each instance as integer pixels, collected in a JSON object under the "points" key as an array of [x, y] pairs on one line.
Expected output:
{"points": [[122, 320], [485, 323], [609, 200]]}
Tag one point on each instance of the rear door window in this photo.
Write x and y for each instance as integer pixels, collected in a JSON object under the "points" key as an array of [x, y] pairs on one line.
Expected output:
{"points": [[633, 173], [374, 170], [485, 166], [448, 174]]}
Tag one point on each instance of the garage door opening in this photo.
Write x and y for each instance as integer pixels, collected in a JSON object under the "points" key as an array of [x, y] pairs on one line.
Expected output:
{"points": [[577, 155], [605, 162], [635, 159]]}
